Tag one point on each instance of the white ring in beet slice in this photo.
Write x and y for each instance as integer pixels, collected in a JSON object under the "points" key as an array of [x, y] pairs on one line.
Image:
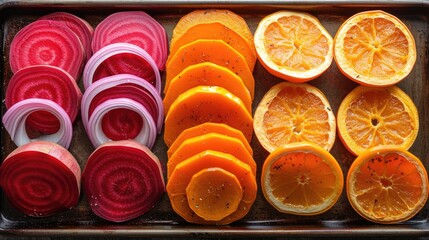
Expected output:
{"points": [[147, 134], [116, 49], [122, 180], [79, 26], [46, 42], [15, 117], [41, 179], [46, 82], [134, 27], [148, 96]]}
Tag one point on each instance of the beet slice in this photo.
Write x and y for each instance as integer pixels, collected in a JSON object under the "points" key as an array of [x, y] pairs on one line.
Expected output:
{"points": [[122, 180], [47, 42], [134, 27], [79, 26], [45, 82], [41, 179]]}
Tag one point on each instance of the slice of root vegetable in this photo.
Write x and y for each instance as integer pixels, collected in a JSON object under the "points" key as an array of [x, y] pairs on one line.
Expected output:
{"points": [[123, 86], [146, 135], [122, 180], [210, 141], [41, 178], [46, 42], [206, 104], [214, 51], [182, 175], [79, 26], [15, 118], [122, 49], [45, 82], [212, 189], [205, 128], [208, 74], [134, 27], [216, 30]]}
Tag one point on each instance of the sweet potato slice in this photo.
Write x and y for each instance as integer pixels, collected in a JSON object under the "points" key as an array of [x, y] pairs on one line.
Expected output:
{"points": [[209, 127], [210, 141], [208, 74], [206, 104], [215, 51], [182, 175]]}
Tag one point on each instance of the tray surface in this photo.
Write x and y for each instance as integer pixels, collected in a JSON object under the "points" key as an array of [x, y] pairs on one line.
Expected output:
{"points": [[263, 219]]}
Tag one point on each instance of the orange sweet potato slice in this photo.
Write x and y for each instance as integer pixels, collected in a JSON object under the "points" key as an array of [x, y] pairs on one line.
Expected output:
{"points": [[216, 30], [208, 127], [182, 175], [206, 104], [215, 51], [208, 74], [210, 141]]}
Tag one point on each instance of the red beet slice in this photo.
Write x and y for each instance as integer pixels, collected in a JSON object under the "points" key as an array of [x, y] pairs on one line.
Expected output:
{"points": [[46, 82], [79, 26], [134, 27], [122, 180], [46, 42], [120, 124], [41, 179]]}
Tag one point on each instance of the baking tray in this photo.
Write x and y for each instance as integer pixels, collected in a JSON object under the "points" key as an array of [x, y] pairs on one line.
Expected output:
{"points": [[262, 220]]}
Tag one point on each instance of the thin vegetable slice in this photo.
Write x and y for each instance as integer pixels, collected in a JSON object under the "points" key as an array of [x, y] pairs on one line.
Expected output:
{"points": [[182, 175], [41, 178], [15, 117], [80, 27], [46, 42], [134, 27], [118, 49], [45, 82], [122, 180]]}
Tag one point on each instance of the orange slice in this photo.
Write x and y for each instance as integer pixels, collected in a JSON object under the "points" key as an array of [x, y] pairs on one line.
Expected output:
{"points": [[292, 112], [369, 117], [205, 128], [293, 46], [182, 175], [387, 185], [210, 141], [374, 48], [207, 74], [214, 51], [216, 30], [206, 104], [301, 179]]}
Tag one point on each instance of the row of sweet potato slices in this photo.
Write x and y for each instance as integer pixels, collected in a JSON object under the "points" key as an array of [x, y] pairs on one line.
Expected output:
{"points": [[208, 103]]}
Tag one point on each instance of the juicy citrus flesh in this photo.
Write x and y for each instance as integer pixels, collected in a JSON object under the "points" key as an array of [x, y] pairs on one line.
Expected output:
{"points": [[370, 117], [301, 179], [291, 112], [293, 45], [387, 185], [375, 48]]}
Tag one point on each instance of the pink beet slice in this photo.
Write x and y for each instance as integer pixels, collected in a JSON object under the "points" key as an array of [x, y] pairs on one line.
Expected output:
{"points": [[134, 27], [79, 26], [46, 82], [41, 178], [47, 42], [122, 180]]}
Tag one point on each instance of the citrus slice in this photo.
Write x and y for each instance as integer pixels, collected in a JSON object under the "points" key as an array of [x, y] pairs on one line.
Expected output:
{"points": [[301, 179], [206, 104], [208, 74], [374, 48], [293, 46], [205, 128], [216, 30], [369, 117], [387, 185], [294, 112]]}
